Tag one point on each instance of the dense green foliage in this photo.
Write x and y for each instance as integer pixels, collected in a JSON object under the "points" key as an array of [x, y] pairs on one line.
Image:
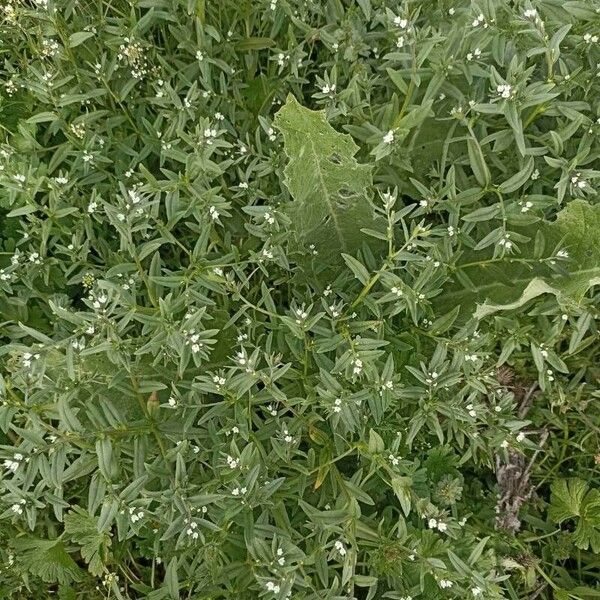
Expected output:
{"points": [[297, 299]]}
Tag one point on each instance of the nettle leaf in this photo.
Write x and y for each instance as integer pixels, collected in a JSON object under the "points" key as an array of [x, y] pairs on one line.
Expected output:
{"points": [[570, 499], [509, 284], [331, 190]]}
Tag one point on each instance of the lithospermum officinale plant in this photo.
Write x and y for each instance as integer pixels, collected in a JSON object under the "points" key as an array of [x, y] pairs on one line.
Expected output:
{"points": [[298, 299]]}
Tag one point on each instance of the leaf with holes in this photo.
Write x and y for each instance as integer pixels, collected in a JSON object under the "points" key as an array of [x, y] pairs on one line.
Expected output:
{"points": [[331, 190]]}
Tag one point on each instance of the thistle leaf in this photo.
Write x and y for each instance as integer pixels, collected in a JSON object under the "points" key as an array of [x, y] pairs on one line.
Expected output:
{"points": [[509, 284], [331, 190]]}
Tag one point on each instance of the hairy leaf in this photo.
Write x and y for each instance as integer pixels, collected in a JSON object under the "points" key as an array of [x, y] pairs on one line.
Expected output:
{"points": [[509, 284], [331, 190]]}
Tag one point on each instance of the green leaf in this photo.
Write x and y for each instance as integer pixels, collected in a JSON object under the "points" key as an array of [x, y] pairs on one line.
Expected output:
{"points": [[78, 38], [331, 190], [47, 559], [509, 284], [360, 272], [82, 529], [171, 579], [478, 164], [570, 499]]}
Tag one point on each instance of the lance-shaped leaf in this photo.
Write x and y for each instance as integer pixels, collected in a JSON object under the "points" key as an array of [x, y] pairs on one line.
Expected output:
{"points": [[510, 284], [331, 190]]}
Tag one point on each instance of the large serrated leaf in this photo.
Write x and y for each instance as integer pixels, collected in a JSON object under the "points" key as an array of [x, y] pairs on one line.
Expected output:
{"points": [[331, 190], [508, 284]]}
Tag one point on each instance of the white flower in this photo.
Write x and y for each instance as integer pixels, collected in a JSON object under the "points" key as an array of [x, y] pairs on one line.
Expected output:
{"points": [[172, 401], [441, 526], [505, 90], [445, 583], [402, 23], [394, 460], [476, 591], [526, 205], [341, 549], [17, 508], [337, 408], [11, 465], [233, 462], [388, 138], [272, 587], [530, 13], [432, 523]]}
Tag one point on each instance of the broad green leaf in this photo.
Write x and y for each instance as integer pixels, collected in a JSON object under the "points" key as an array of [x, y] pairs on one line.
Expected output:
{"points": [[509, 284], [81, 528], [47, 559], [331, 190], [570, 499]]}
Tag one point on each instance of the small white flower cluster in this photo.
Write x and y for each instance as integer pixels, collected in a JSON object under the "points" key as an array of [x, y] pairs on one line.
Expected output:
{"points": [[239, 491], [193, 340], [287, 438], [388, 138], [219, 381], [301, 314], [78, 130], [27, 358], [395, 460], [337, 405], [273, 587], [588, 38], [432, 378], [357, 366], [282, 58], [233, 463], [50, 48], [505, 90], [387, 386], [191, 531], [340, 548], [17, 508], [268, 217], [213, 213], [98, 301], [335, 310], [472, 411], [136, 514], [577, 181], [328, 89], [134, 55], [505, 242], [210, 134], [436, 524], [475, 54], [479, 20], [13, 464], [526, 206], [445, 583]]}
